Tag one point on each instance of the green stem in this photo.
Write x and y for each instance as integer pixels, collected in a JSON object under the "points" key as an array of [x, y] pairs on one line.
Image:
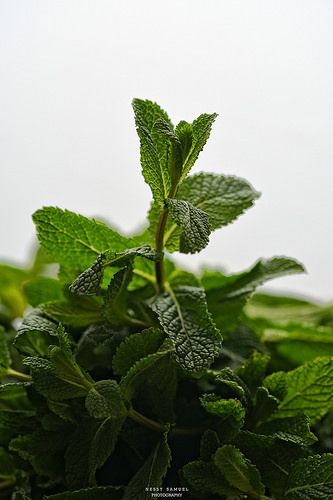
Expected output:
{"points": [[159, 241], [19, 375], [157, 427], [159, 244]]}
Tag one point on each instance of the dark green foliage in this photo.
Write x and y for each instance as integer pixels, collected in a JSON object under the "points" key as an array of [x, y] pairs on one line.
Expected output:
{"points": [[129, 378]]}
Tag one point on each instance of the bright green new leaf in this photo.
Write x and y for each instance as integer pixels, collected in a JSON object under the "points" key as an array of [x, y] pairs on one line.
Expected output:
{"points": [[311, 479], [193, 223], [153, 147], [201, 128], [239, 471], [309, 390]]}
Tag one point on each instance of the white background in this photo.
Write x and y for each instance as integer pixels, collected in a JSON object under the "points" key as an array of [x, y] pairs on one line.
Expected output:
{"points": [[69, 70]]}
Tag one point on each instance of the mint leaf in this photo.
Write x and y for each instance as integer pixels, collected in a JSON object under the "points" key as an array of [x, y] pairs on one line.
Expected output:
{"points": [[311, 478], [224, 408], [74, 240], [193, 223], [151, 474], [183, 315], [227, 295], [292, 429], [153, 147], [115, 303], [309, 390], [42, 289], [96, 493], [74, 313], [204, 478], [151, 376], [105, 400], [239, 471], [201, 128], [89, 282], [135, 347], [222, 197], [35, 334], [90, 446], [5, 359]]}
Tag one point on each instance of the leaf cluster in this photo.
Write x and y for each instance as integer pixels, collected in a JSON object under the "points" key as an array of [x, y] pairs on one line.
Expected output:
{"points": [[122, 375]]}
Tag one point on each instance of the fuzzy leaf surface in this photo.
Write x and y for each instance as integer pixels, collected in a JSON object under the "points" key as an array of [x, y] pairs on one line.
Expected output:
{"points": [[309, 390], [136, 347], [193, 223], [239, 471], [201, 128], [153, 147], [70, 238], [183, 314], [311, 479]]}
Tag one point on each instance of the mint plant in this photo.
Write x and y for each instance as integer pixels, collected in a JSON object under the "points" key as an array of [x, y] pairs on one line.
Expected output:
{"points": [[129, 378]]}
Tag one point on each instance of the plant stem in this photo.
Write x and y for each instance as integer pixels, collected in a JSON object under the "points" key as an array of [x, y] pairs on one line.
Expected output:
{"points": [[19, 375], [157, 427], [159, 244], [159, 240]]}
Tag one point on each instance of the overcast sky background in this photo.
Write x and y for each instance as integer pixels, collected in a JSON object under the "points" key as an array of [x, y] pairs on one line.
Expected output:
{"points": [[69, 70]]}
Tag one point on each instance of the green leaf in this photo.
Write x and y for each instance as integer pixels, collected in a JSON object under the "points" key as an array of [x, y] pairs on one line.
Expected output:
{"points": [[96, 493], [135, 347], [311, 478], [224, 408], [239, 471], [151, 474], [105, 400], [294, 341], [209, 443], [89, 282], [292, 429], [121, 259], [274, 458], [97, 345], [115, 308], [90, 446], [151, 376], [72, 313], [222, 197], [193, 223], [253, 371], [5, 359], [153, 147], [42, 289], [183, 314], [60, 377], [204, 478], [227, 295], [74, 240], [35, 334], [309, 390], [201, 128]]}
